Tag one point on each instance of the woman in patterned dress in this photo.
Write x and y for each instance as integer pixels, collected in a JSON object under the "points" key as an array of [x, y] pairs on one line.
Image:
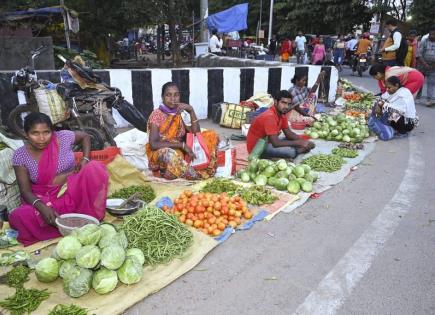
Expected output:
{"points": [[167, 128], [50, 182]]}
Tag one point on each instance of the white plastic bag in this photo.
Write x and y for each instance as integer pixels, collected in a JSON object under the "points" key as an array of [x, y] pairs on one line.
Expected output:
{"points": [[132, 144]]}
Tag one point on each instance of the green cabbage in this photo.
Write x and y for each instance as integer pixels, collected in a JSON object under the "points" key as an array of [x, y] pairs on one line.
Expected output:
{"points": [[90, 234], [131, 271], [293, 187], [136, 252], [112, 239], [78, 285], [88, 256], [299, 171], [104, 280], [68, 247], [47, 270], [112, 256], [107, 229], [69, 269]]}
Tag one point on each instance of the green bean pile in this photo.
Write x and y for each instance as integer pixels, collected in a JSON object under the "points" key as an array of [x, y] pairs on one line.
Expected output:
{"points": [[324, 162], [257, 195], [159, 235], [24, 301], [147, 192], [17, 276], [72, 309], [217, 186], [344, 152]]}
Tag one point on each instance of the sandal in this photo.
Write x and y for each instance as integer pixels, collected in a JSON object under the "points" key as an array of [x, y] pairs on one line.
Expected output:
{"points": [[238, 137]]}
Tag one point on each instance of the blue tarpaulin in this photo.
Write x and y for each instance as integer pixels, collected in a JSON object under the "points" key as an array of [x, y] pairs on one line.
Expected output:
{"points": [[229, 20]]}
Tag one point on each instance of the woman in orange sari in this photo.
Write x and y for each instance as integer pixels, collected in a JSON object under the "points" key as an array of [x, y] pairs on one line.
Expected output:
{"points": [[167, 127]]}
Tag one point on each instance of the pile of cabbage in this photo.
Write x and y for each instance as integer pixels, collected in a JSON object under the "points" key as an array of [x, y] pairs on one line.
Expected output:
{"points": [[281, 175], [92, 256], [340, 128]]}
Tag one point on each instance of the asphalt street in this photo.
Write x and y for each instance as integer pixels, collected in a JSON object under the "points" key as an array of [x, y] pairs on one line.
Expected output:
{"points": [[366, 246]]}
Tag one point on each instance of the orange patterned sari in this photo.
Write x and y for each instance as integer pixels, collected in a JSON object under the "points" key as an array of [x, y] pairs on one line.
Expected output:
{"points": [[170, 163]]}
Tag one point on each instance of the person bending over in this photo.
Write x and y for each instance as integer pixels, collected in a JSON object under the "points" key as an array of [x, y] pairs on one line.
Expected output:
{"points": [[270, 124]]}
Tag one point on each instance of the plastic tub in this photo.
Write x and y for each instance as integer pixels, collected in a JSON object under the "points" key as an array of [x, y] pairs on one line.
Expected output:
{"points": [[71, 221]]}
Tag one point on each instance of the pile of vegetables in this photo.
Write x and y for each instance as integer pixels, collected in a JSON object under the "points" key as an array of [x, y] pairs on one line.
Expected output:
{"points": [[359, 101], [254, 195], [339, 128], [13, 257], [146, 193], [159, 236], [24, 301], [92, 256], [17, 276], [210, 213], [344, 152], [71, 309], [324, 162], [280, 175]]}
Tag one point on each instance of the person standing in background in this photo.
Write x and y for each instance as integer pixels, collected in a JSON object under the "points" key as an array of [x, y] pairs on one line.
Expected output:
{"points": [[319, 53], [301, 47], [394, 49], [286, 49], [426, 57], [411, 55], [339, 51], [272, 46], [215, 43]]}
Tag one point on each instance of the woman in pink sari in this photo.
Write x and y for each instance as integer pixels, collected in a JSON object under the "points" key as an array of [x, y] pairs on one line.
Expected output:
{"points": [[319, 53], [50, 182]]}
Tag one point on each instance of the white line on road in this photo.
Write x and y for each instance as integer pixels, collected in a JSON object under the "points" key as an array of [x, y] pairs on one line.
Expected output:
{"points": [[338, 284]]}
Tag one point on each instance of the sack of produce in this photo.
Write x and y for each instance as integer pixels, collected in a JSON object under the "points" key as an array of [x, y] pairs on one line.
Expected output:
{"points": [[234, 115], [51, 104]]}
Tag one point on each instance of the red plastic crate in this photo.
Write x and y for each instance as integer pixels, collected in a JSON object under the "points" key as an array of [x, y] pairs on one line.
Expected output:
{"points": [[105, 156]]}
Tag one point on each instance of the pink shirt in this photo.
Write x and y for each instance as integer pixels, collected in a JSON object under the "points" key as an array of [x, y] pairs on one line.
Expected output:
{"points": [[66, 163]]}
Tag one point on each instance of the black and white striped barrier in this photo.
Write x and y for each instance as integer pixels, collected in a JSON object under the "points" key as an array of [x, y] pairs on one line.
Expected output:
{"points": [[200, 87]]}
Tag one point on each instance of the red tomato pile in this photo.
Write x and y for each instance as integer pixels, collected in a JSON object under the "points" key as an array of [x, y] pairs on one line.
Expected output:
{"points": [[210, 213]]}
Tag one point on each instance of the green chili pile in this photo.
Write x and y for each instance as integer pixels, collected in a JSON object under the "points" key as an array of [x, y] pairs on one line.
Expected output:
{"points": [[344, 152], [147, 193], [324, 162], [72, 309], [257, 195], [24, 301], [159, 235], [217, 186], [17, 276]]}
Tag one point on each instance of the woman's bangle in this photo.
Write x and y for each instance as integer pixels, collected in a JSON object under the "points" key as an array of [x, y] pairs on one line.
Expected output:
{"points": [[35, 201], [196, 120], [86, 159], [184, 146]]}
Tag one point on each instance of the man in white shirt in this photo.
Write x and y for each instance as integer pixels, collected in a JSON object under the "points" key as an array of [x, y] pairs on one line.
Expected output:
{"points": [[300, 45], [215, 43], [390, 50]]}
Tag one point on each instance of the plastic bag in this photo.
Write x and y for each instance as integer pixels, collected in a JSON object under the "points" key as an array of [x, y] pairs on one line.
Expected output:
{"points": [[131, 114], [132, 144], [202, 156]]}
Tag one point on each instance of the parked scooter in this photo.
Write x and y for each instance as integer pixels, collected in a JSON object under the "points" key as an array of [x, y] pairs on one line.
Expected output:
{"points": [[88, 110]]}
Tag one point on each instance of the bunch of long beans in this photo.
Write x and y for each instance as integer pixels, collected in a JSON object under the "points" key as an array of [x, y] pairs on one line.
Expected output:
{"points": [[159, 235]]}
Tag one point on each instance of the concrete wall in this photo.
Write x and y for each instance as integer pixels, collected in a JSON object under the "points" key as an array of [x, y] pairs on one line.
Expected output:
{"points": [[200, 87], [15, 51]]}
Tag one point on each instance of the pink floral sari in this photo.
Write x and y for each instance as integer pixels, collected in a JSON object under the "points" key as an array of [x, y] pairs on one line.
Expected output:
{"points": [[86, 193]]}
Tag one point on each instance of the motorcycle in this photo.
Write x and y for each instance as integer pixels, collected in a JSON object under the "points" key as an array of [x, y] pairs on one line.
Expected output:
{"points": [[360, 63], [88, 110]]}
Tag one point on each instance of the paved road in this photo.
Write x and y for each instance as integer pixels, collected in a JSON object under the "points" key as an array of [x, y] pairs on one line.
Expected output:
{"points": [[367, 246]]}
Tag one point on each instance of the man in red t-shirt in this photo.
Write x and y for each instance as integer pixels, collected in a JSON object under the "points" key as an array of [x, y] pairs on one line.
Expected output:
{"points": [[269, 124]]}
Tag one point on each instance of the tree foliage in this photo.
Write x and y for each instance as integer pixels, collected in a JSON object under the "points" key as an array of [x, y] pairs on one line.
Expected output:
{"points": [[423, 15]]}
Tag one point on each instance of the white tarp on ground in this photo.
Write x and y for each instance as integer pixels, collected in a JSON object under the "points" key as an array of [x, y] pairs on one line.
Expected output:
{"points": [[327, 180]]}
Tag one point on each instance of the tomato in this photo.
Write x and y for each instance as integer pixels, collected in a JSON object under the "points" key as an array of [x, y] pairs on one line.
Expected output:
{"points": [[198, 223], [247, 215], [221, 226], [233, 223], [210, 230], [209, 209], [217, 205], [188, 193], [193, 203], [214, 198], [206, 224], [205, 203], [184, 211], [238, 214], [182, 218], [237, 220], [224, 210], [180, 207], [216, 213], [214, 226], [189, 222], [231, 212], [201, 216], [212, 220], [216, 232], [189, 216]]}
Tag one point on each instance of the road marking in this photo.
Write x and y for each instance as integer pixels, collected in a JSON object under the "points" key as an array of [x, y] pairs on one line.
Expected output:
{"points": [[338, 284]]}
